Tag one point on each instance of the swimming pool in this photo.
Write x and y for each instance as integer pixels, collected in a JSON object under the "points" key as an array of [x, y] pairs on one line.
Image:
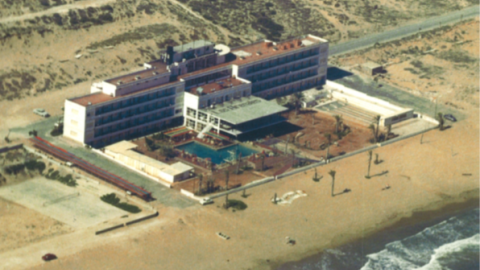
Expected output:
{"points": [[217, 156]]}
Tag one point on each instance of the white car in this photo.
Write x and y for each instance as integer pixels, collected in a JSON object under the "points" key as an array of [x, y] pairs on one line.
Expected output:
{"points": [[41, 112], [206, 200]]}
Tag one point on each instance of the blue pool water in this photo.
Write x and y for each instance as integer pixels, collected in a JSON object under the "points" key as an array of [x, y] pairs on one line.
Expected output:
{"points": [[217, 156]]}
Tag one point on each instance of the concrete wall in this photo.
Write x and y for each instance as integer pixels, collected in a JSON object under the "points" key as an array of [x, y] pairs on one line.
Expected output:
{"points": [[390, 114], [74, 121]]}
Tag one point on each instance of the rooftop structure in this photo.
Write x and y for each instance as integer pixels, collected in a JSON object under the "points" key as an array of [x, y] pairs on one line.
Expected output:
{"points": [[124, 152], [192, 46], [265, 49], [92, 99], [242, 110], [216, 86]]}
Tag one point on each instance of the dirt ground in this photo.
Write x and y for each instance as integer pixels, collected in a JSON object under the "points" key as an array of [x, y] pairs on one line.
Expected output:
{"points": [[441, 64], [22, 226], [323, 123]]}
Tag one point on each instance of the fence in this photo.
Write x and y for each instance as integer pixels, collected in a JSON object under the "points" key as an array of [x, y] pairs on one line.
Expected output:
{"points": [[142, 218], [109, 229]]}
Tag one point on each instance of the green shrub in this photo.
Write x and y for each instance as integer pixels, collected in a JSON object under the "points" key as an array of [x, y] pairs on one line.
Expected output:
{"points": [[40, 166], [113, 200], [237, 205]]}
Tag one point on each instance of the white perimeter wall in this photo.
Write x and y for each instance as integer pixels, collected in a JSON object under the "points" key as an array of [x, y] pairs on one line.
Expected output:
{"points": [[390, 114]]}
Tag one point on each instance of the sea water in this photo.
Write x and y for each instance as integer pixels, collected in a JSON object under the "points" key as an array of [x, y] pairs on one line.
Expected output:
{"points": [[451, 244]]}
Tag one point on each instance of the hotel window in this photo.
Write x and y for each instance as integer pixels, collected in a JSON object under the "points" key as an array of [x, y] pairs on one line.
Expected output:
{"points": [[74, 122], [74, 111], [73, 133]]}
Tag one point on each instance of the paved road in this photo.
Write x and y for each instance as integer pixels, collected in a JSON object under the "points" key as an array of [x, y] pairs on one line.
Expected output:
{"points": [[403, 31]]}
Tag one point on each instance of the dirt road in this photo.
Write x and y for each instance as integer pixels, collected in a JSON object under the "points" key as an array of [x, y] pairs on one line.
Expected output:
{"points": [[58, 9]]}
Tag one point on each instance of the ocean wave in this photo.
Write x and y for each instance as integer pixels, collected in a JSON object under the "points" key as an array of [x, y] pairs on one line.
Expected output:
{"points": [[431, 247], [459, 255]]}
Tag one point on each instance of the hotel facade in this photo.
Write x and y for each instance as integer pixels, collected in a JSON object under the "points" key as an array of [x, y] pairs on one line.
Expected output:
{"points": [[204, 86]]}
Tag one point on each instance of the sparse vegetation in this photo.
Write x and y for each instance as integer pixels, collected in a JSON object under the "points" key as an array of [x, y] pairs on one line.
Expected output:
{"points": [[237, 204], [67, 179], [113, 200]]}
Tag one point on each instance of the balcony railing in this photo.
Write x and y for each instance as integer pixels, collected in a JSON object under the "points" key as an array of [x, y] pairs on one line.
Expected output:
{"points": [[144, 99]]}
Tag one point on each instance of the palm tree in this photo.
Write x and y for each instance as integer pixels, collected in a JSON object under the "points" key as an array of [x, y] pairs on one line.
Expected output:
{"points": [[286, 144], [200, 179], [239, 159], [372, 127], [441, 122], [377, 121], [369, 164], [296, 97], [338, 122], [227, 174], [332, 174], [263, 162], [329, 138]]}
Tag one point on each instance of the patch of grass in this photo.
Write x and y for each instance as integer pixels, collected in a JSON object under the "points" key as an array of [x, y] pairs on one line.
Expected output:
{"points": [[237, 204], [113, 200]]}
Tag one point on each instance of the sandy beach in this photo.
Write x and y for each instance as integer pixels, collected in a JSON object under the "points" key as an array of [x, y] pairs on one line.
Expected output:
{"points": [[422, 177]]}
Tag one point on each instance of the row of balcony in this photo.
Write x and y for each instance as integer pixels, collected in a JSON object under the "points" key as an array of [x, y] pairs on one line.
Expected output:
{"points": [[130, 113], [132, 123], [281, 81], [285, 71], [134, 101], [280, 61]]}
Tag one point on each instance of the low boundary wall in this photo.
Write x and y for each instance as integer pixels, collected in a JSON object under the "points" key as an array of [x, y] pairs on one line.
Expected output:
{"points": [[142, 219], [109, 229]]}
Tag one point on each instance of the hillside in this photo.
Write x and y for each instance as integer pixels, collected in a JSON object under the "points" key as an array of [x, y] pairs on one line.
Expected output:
{"points": [[53, 44]]}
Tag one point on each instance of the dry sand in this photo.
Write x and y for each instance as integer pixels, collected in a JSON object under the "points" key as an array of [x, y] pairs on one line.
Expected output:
{"points": [[424, 176]]}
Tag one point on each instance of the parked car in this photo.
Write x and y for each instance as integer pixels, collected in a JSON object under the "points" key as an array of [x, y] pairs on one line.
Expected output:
{"points": [[49, 256], [450, 117], [41, 112], [206, 200]]}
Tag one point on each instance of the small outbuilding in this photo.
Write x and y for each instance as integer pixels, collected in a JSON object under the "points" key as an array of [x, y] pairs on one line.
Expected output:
{"points": [[371, 68], [124, 152]]}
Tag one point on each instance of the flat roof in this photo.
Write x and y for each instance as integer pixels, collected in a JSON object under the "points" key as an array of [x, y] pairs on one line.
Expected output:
{"points": [[371, 65], [121, 146], [94, 98], [245, 109], [100, 97], [124, 148], [260, 50], [158, 68], [215, 86], [219, 66]]}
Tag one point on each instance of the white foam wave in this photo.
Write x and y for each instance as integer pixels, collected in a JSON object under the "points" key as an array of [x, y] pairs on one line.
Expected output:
{"points": [[445, 254]]}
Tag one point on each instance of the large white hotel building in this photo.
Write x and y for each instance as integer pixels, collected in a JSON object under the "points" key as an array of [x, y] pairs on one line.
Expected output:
{"points": [[202, 85]]}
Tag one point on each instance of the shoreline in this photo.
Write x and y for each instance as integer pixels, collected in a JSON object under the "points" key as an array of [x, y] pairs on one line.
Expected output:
{"points": [[420, 218]]}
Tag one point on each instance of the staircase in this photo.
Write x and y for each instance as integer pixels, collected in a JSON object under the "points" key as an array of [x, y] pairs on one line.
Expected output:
{"points": [[206, 129]]}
